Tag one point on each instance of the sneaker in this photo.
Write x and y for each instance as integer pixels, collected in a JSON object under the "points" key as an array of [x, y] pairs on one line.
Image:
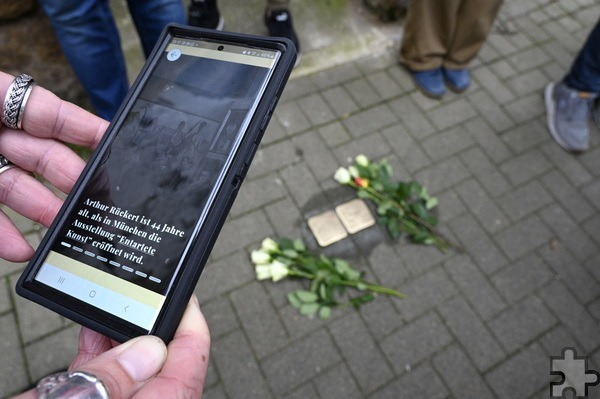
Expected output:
{"points": [[430, 82], [279, 23], [567, 116], [205, 14], [458, 80]]}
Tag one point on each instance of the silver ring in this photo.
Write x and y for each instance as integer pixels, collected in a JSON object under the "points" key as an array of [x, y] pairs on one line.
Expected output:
{"points": [[15, 100], [71, 385], [5, 164]]}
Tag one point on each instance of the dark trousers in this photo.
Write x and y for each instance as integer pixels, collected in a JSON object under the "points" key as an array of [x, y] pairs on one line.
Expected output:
{"points": [[585, 72]]}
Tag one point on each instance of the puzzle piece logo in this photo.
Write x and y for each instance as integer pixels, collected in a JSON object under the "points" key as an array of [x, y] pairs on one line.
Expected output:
{"points": [[574, 373]]}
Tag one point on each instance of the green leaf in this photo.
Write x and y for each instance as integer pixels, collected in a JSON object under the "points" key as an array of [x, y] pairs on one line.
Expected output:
{"points": [[299, 245], [293, 300], [419, 210], [324, 312], [306, 296], [309, 309], [290, 253]]}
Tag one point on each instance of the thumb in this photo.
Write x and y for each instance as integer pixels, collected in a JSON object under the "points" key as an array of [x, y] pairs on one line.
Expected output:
{"points": [[125, 368]]}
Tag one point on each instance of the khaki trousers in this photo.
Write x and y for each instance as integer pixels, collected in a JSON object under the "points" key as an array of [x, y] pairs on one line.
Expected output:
{"points": [[446, 33], [277, 4]]}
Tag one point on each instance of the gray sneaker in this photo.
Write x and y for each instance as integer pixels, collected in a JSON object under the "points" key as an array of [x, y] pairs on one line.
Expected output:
{"points": [[567, 115]]}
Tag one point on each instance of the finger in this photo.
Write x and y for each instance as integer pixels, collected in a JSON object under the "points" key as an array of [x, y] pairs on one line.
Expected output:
{"points": [[91, 345], [126, 368], [56, 162], [184, 372], [15, 248], [48, 116]]}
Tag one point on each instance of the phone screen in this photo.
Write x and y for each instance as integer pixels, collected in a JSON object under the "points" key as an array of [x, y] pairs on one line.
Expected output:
{"points": [[123, 244]]}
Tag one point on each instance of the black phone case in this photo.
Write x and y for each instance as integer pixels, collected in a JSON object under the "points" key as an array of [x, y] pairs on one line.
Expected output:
{"points": [[187, 278]]}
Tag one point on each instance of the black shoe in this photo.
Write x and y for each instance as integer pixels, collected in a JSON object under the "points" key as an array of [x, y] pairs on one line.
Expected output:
{"points": [[205, 14], [279, 23]]}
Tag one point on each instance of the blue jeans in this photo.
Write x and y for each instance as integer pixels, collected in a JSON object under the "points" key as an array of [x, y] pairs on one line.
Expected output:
{"points": [[585, 72], [90, 40]]}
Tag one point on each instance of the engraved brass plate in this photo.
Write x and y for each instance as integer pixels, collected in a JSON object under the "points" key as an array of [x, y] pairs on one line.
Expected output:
{"points": [[327, 228], [355, 215]]}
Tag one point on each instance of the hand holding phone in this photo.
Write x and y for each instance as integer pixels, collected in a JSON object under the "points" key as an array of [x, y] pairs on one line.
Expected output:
{"points": [[127, 248]]}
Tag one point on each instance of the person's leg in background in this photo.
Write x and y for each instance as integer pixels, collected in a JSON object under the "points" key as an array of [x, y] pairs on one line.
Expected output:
{"points": [[474, 21], [90, 40], [569, 102], [278, 20], [151, 16], [428, 30]]}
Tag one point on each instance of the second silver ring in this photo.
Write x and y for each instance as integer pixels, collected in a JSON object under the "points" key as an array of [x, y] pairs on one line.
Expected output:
{"points": [[16, 100]]}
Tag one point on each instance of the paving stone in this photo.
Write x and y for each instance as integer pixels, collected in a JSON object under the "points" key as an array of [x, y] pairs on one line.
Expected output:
{"points": [[524, 201], [256, 193], [522, 323], [415, 342], [272, 158], [473, 335], [526, 108], [522, 278], [570, 198], [475, 287], [361, 353], [334, 134], [490, 111], [451, 114], [259, 319], [460, 375], [340, 102], [291, 118], [447, 143], [336, 76], [569, 232], [302, 185], [426, 292], [443, 175], [521, 375], [300, 362], [523, 237], [387, 266], [14, 376], [5, 302], [478, 244], [486, 172], [406, 148], [385, 86], [482, 206], [305, 391], [372, 145], [316, 155], [224, 275], [363, 93], [239, 370], [370, 120], [449, 208], [215, 392], [285, 218], [498, 90], [337, 383], [574, 316], [557, 339], [299, 325], [53, 353], [316, 109], [526, 136], [381, 317], [493, 146], [422, 382], [412, 117], [419, 258]]}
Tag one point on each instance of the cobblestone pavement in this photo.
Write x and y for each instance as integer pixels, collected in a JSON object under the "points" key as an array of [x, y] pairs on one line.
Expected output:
{"points": [[481, 324]]}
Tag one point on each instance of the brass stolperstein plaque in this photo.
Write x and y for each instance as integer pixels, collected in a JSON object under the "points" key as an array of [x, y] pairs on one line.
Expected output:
{"points": [[327, 228], [348, 218], [355, 215]]}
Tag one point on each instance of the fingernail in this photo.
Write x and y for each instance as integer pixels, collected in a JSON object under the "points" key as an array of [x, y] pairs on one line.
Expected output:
{"points": [[143, 358]]}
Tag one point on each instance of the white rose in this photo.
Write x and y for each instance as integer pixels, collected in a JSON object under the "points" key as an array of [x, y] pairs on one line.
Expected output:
{"points": [[260, 257], [279, 270], [269, 245], [362, 160], [342, 176]]}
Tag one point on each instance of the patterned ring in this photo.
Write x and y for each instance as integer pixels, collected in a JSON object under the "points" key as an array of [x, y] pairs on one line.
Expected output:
{"points": [[15, 101]]}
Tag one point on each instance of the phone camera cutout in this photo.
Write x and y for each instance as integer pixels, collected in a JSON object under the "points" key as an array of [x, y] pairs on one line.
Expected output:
{"points": [[174, 54], [220, 48]]}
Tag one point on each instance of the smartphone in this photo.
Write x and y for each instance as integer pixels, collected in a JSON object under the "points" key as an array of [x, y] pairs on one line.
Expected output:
{"points": [[127, 248]]}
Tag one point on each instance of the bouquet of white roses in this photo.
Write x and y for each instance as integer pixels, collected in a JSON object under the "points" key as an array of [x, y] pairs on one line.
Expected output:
{"points": [[330, 277]]}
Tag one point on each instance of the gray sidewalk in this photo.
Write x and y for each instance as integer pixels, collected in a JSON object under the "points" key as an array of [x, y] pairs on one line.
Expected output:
{"points": [[482, 324]]}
